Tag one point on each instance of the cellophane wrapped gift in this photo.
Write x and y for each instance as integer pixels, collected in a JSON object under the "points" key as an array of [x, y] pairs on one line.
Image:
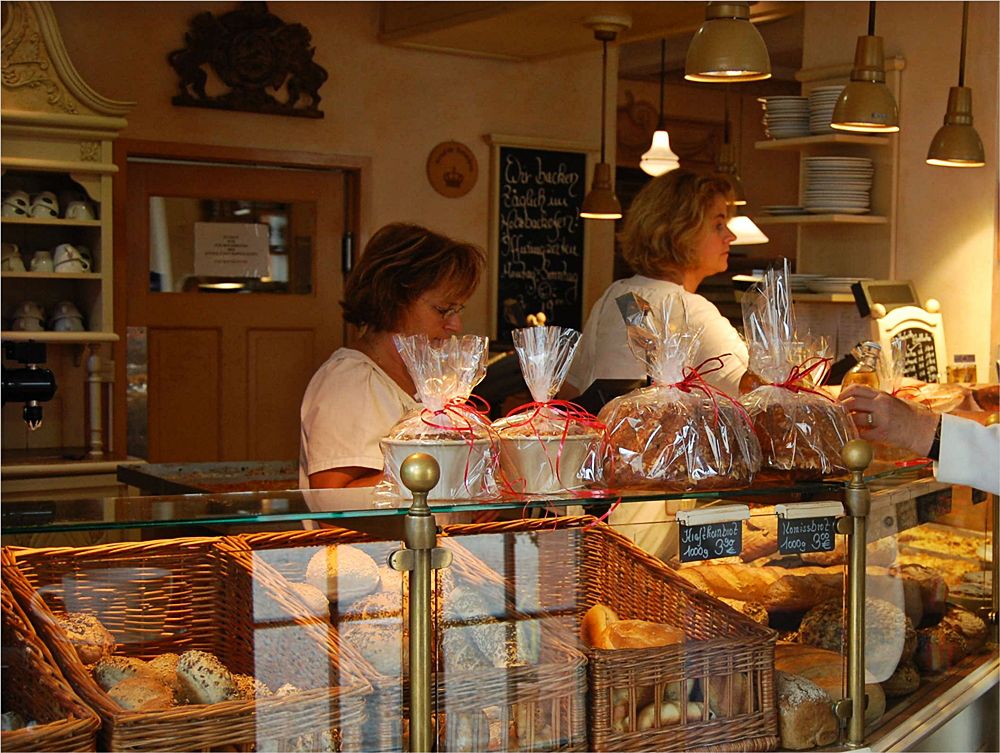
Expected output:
{"points": [[447, 425], [680, 433], [547, 445], [800, 427]]}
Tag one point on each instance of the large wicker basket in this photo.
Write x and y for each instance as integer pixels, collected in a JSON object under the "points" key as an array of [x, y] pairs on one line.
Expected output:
{"points": [[34, 687], [183, 594], [726, 657], [501, 703]]}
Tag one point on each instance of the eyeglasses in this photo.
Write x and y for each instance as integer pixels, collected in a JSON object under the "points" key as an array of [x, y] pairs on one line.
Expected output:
{"points": [[447, 312]]}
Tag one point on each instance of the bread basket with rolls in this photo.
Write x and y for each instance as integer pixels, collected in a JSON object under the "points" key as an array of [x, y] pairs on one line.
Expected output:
{"points": [[188, 604], [669, 667], [503, 680]]}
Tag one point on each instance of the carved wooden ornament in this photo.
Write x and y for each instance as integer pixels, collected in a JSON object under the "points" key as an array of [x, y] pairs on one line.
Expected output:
{"points": [[266, 64], [452, 169]]}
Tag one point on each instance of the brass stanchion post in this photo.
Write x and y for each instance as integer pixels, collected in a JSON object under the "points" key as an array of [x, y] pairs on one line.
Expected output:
{"points": [[857, 456], [419, 473]]}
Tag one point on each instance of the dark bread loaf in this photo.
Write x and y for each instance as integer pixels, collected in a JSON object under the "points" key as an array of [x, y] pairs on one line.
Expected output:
{"points": [[826, 669], [805, 713]]}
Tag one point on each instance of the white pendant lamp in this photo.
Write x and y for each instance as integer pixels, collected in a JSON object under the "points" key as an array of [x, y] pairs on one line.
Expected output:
{"points": [[957, 144], [727, 48], [660, 158], [866, 105], [600, 203], [746, 231]]}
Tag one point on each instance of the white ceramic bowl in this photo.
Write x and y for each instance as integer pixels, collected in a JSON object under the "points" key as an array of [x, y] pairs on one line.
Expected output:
{"points": [[456, 458], [530, 463]]}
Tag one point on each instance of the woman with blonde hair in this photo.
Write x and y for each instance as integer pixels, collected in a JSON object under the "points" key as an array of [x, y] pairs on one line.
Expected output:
{"points": [[675, 235]]}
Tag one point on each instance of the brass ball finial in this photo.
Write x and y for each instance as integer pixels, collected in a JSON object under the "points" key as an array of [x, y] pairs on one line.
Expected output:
{"points": [[419, 472], [857, 455]]}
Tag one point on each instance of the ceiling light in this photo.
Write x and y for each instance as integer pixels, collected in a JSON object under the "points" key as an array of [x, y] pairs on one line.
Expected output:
{"points": [[866, 105], [727, 48], [601, 203], [746, 231], [660, 158], [956, 144]]}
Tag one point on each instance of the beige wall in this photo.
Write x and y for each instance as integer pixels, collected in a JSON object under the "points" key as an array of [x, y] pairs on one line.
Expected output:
{"points": [[390, 104], [947, 218]]}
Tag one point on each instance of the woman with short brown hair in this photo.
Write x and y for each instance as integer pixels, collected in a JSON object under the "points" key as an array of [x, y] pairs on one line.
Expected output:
{"points": [[409, 280]]}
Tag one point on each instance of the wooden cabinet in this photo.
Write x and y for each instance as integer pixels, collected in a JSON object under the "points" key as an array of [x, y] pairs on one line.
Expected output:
{"points": [[57, 136]]}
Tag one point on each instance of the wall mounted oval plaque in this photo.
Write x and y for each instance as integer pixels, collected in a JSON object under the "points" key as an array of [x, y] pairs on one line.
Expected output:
{"points": [[452, 169]]}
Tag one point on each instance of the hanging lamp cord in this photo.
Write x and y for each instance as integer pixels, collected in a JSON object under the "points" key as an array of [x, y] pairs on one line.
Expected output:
{"points": [[965, 31], [871, 18], [663, 73], [604, 90]]}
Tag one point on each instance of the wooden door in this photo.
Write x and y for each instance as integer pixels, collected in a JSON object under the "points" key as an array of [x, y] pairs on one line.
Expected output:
{"points": [[227, 370]]}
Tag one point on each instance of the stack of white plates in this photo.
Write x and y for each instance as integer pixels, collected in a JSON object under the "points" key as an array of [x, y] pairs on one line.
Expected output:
{"points": [[799, 283], [838, 185], [785, 117], [822, 100], [782, 209], [833, 284]]}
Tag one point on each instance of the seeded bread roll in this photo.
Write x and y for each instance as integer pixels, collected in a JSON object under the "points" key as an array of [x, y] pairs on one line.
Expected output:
{"points": [[380, 605], [904, 680], [89, 637], [142, 693], [111, 670], [203, 678], [248, 688], [805, 713], [466, 606], [315, 599], [379, 642], [164, 668], [344, 573]]}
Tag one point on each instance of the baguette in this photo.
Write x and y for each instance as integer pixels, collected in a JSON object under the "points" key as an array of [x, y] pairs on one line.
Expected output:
{"points": [[778, 589]]}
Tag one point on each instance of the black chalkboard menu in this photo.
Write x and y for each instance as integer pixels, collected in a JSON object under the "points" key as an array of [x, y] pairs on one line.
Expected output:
{"points": [[921, 356], [802, 535], [540, 237], [709, 541]]}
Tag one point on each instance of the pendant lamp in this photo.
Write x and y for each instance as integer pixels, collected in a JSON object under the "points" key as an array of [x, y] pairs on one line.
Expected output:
{"points": [[727, 48], [601, 203], [956, 144], [726, 164], [660, 158], [866, 105], [746, 231]]}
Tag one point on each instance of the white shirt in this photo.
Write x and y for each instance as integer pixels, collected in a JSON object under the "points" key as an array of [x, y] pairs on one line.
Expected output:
{"points": [[604, 353], [349, 405], [969, 455]]}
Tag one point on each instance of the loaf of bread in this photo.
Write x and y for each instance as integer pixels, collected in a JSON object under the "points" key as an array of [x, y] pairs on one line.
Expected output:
{"points": [[881, 552], [203, 678], [905, 680], [805, 713], [344, 573], [727, 695], [967, 624], [933, 588], [959, 633], [594, 623], [111, 670], [89, 637], [778, 589], [142, 693], [752, 609], [639, 634], [826, 669]]}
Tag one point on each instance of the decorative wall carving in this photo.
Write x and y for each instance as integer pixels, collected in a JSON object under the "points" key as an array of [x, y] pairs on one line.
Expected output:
{"points": [[90, 151], [254, 53], [24, 62], [696, 142]]}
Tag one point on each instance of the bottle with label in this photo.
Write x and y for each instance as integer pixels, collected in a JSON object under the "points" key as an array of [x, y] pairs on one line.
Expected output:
{"points": [[962, 369], [866, 370]]}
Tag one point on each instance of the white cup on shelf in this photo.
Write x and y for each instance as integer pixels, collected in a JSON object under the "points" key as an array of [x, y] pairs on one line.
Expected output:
{"points": [[68, 258], [79, 210], [16, 204], [41, 261], [12, 261], [45, 204]]}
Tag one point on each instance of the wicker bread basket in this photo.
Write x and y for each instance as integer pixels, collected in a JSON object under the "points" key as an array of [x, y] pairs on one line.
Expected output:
{"points": [[173, 596], [582, 563], [35, 688], [551, 688]]}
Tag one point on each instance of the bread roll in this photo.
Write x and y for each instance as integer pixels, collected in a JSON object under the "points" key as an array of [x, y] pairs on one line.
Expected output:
{"points": [[89, 637], [595, 622], [142, 693], [727, 695], [380, 643], [639, 634], [669, 713], [344, 573], [464, 605], [968, 624], [203, 678], [248, 688], [805, 713], [111, 670], [314, 598], [826, 669], [903, 681], [164, 669], [382, 605]]}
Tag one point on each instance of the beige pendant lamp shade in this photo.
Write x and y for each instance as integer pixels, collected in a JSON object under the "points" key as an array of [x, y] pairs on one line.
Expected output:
{"points": [[727, 48], [866, 105], [957, 144], [746, 231], [660, 158], [601, 203]]}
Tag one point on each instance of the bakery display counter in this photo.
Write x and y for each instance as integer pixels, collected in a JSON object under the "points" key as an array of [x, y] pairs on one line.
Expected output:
{"points": [[542, 633]]}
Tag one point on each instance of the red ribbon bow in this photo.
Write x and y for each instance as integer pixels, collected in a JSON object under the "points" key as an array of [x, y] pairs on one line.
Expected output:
{"points": [[798, 374], [694, 379]]}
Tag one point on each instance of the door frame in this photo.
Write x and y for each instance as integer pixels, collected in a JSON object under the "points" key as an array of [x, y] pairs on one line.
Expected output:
{"points": [[357, 195]]}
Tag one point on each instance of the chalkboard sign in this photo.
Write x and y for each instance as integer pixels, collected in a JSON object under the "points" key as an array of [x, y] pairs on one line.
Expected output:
{"points": [[921, 357], [540, 237], [801, 535], [710, 541]]}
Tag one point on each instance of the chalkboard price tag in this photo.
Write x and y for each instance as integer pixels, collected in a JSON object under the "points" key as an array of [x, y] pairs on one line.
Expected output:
{"points": [[802, 535], [710, 541]]}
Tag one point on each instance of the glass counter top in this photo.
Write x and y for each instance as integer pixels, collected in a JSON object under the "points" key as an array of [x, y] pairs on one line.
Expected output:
{"points": [[340, 504]]}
